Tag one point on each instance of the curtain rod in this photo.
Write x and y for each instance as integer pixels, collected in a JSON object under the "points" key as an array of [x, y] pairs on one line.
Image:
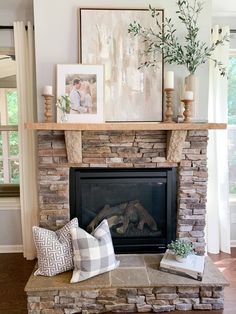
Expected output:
{"points": [[26, 27], [10, 27], [233, 31], [6, 27]]}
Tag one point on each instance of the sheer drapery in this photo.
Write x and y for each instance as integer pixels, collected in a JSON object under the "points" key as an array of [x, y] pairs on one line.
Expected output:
{"points": [[218, 212], [24, 51]]}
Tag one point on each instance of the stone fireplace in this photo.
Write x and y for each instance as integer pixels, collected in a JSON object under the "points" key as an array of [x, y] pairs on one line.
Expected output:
{"points": [[126, 150], [115, 154]]}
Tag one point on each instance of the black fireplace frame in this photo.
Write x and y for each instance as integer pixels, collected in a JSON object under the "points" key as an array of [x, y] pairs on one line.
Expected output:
{"points": [[137, 245]]}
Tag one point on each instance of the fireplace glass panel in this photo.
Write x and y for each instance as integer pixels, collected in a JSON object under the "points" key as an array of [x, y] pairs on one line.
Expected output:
{"points": [[136, 203]]}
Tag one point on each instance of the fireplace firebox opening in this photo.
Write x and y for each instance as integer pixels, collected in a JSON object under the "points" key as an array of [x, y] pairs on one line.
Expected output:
{"points": [[139, 204]]}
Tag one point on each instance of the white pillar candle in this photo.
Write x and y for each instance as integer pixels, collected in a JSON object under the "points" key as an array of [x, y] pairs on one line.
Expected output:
{"points": [[47, 90], [169, 80], [188, 95]]}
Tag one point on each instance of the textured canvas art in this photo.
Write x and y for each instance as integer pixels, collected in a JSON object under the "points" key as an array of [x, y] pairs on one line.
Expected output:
{"points": [[130, 94]]}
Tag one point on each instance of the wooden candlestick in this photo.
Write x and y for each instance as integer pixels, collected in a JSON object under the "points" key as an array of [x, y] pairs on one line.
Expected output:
{"points": [[187, 110], [169, 110], [48, 108]]}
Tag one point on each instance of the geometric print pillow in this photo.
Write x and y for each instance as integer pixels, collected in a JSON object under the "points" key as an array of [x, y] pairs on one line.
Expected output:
{"points": [[54, 249], [93, 253]]}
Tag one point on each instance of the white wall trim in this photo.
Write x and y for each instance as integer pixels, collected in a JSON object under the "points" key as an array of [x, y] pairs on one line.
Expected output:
{"points": [[9, 203], [11, 248], [233, 243]]}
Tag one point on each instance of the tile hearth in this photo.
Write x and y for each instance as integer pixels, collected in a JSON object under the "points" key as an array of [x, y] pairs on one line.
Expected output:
{"points": [[136, 286]]}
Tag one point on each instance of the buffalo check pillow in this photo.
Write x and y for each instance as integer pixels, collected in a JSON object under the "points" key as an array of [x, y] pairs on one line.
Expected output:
{"points": [[54, 249], [93, 253]]}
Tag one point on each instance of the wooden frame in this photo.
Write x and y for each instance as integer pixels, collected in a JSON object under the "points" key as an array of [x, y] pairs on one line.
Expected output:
{"points": [[130, 94]]}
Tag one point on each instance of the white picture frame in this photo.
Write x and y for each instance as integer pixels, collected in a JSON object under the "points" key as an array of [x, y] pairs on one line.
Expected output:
{"points": [[86, 95]]}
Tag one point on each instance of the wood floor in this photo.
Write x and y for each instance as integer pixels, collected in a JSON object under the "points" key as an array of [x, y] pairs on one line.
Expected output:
{"points": [[15, 270], [14, 273]]}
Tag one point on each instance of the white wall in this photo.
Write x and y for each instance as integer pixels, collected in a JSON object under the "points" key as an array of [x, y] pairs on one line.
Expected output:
{"points": [[18, 10], [10, 225], [224, 8], [56, 35]]}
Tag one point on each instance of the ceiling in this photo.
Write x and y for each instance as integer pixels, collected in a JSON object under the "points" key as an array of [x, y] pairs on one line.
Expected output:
{"points": [[225, 7]]}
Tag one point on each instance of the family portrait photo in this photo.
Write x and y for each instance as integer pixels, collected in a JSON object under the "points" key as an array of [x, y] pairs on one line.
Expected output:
{"points": [[82, 91], [82, 85]]}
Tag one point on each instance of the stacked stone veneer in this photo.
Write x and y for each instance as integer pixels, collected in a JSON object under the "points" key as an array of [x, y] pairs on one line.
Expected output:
{"points": [[122, 300], [141, 149]]}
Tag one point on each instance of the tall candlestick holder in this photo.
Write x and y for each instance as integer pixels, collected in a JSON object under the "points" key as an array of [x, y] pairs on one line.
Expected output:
{"points": [[48, 108], [169, 105], [187, 110]]}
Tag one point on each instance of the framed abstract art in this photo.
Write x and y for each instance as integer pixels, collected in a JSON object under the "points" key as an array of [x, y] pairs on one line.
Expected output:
{"points": [[131, 94]]}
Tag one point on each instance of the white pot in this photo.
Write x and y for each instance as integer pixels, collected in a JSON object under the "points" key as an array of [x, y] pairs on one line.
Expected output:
{"points": [[181, 259], [192, 84]]}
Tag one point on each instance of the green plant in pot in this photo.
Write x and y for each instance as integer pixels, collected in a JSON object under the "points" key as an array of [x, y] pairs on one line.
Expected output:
{"points": [[64, 104], [163, 39], [181, 248]]}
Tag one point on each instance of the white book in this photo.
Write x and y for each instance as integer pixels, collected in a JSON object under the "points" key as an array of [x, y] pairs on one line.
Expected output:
{"points": [[193, 267]]}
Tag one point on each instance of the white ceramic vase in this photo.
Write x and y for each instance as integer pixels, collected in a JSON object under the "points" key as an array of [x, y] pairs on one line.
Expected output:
{"points": [[64, 117], [192, 84]]}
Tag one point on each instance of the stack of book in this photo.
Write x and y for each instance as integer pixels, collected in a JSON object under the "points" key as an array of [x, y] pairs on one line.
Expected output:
{"points": [[193, 267]]}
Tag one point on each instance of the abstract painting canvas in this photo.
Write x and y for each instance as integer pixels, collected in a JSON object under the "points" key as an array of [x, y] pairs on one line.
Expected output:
{"points": [[131, 94]]}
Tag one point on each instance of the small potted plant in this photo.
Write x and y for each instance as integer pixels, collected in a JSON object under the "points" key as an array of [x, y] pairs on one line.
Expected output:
{"points": [[63, 103], [181, 249]]}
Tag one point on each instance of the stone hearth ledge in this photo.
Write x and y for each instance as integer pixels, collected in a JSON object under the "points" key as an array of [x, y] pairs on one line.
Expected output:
{"points": [[136, 286]]}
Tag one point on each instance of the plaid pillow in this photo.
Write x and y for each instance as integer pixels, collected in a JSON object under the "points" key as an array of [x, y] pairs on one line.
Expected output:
{"points": [[93, 254], [54, 249]]}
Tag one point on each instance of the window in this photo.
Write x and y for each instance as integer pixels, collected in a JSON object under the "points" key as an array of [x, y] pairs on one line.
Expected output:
{"points": [[9, 140]]}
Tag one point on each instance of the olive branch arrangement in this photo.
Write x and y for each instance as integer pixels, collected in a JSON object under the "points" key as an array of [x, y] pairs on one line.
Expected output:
{"points": [[63, 103], [164, 40]]}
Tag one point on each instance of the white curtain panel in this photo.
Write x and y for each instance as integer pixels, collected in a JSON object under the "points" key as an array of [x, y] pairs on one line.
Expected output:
{"points": [[218, 212], [24, 50]]}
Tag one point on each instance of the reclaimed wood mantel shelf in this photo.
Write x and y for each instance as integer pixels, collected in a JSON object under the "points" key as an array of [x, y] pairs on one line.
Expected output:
{"points": [[177, 133], [124, 126]]}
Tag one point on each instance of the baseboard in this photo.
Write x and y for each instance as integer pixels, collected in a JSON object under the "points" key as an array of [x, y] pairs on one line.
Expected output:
{"points": [[233, 243], [9, 203], [11, 248]]}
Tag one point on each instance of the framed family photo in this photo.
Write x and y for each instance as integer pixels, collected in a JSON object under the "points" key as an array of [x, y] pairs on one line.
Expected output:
{"points": [[131, 94], [83, 87]]}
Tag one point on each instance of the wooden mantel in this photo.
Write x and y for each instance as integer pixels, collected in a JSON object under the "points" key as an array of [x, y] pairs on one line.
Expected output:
{"points": [[125, 126], [177, 133]]}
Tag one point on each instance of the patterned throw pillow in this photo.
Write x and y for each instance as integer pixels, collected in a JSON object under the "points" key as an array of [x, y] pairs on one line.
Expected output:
{"points": [[93, 253], [54, 249]]}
